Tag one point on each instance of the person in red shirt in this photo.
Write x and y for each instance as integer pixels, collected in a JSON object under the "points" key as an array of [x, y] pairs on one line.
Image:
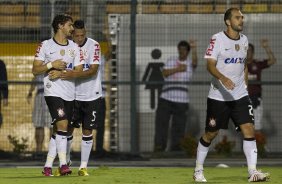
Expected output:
{"points": [[255, 68]]}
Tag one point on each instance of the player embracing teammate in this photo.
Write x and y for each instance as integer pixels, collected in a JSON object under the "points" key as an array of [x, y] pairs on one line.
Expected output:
{"points": [[72, 90]]}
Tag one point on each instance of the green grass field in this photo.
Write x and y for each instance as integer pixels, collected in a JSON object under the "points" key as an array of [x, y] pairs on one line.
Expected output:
{"points": [[105, 175]]}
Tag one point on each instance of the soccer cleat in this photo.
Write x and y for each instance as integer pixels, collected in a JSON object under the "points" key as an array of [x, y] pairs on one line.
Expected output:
{"points": [[65, 170], [57, 171], [83, 172], [258, 176], [47, 171], [199, 176]]}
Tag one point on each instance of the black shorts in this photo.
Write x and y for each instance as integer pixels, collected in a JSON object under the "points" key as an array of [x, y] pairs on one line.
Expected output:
{"points": [[59, 109], [219, 113], [87, 113]]}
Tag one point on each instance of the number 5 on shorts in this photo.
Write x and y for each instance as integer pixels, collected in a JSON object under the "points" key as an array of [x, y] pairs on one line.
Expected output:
{"points": [[94, 116], [251, 111]]}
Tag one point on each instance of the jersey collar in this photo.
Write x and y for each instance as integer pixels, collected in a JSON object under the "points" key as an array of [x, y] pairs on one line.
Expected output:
{"points": [[60, 44], [83, 43], [230, 37]]}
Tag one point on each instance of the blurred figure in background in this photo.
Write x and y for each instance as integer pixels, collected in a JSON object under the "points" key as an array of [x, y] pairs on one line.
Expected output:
{"points": [[174, 100], [255, 68], [40, 115], [3, 88]]}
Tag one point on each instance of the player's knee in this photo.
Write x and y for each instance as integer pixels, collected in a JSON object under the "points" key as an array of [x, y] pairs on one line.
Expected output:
{"points": [[248, 130], [210, 135], [86, 132]]}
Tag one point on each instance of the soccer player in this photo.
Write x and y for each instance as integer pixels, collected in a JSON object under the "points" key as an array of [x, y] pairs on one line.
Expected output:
{"points": [[228, 95], [88, 93], [58, 53], [255, 68]]}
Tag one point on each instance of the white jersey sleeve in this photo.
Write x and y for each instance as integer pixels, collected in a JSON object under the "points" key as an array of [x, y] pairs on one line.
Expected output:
{"points": [[40, 51], [213, 48]]}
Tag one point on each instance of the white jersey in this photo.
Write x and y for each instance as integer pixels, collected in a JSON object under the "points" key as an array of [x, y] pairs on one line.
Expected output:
{"points": [[89, 89], [177, 92], [230, 56], [49, 51]]}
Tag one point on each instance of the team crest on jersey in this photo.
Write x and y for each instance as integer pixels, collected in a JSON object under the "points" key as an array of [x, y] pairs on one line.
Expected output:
{"points": [[48, 85], [237, 47], [212, 122], [62, 52], [61, 112], [71, 53]]}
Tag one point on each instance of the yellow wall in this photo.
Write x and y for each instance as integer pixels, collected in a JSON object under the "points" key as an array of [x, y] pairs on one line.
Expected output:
{"points": [[28, 49]]}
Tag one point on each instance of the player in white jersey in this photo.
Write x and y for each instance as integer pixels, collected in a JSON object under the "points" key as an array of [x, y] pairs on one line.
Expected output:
{"points": [[88, 93], [174, 100], [228, 96], [58, 53]]}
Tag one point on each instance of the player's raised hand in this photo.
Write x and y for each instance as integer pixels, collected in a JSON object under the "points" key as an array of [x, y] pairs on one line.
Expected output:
{"points": [[264, 43], [193, 43], [59, 64], [228, 84], [54, 74], [66, 75]]}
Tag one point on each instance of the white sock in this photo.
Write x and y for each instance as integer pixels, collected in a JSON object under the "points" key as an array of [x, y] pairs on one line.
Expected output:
{"points": [[61, 142], [69, 142], [250, 150], [52, 152], [202, 152], [86, 147]]}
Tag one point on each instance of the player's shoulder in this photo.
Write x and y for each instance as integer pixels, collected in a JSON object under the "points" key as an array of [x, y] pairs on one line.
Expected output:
{"points": [[243, 37], [218, 35], [92, 40]]}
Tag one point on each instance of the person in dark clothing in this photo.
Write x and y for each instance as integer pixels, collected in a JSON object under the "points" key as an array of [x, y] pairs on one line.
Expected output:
{"points": [[3, 88]]}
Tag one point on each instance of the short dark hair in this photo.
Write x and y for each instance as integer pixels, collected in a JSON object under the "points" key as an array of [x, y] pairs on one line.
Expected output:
{"points": [[252, 47], [228, 14], [184, 43], [79, 24], [60, 19]]}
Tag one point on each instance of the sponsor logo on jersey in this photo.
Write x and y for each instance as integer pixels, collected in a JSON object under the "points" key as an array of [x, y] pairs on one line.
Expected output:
{"points": [[62, 52], [96, 53], [38, 49], [86, 66], [211, 47], [234, 60], [237, 47]]}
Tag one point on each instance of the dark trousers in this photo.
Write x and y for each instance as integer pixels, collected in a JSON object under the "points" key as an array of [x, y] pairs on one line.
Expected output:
{"points": [[101, 127], [167, 109]]}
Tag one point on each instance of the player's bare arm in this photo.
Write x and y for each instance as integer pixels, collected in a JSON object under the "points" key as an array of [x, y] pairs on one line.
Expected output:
{"points": [[211, 67], [55, 74], [179, 68], [31, 89], [271, 58], [193, 45], [78, 73], [39, 68], [246, 74]]}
